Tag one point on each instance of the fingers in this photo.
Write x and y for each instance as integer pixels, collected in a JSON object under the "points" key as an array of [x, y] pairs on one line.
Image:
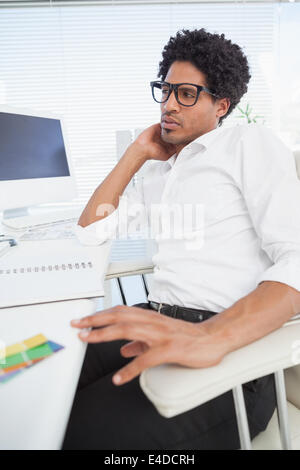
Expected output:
{"points": [[95, 319], [149, 359], [116, 314], [146, 333], [135, 348], [131, 323]]}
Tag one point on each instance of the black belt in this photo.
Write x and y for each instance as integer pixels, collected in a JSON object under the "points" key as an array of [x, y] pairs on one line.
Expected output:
{"points": [[183, 313]]}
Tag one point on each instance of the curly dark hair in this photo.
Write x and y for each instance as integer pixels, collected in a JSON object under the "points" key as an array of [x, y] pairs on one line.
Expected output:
{"points": [[223, 63]]}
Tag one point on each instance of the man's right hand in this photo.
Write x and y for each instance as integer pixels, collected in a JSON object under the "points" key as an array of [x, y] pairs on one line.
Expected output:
{"points": [[152, 146], [147, 146]]}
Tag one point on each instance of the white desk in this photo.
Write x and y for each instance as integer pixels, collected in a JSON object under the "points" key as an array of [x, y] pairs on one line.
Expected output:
{"points": [[35, 405]]}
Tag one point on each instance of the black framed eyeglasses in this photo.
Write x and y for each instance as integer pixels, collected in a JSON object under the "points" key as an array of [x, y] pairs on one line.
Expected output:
{"points": [[186, 94]]}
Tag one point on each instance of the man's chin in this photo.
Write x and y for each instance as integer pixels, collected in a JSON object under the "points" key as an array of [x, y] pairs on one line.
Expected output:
{"points": [[169, 136]]}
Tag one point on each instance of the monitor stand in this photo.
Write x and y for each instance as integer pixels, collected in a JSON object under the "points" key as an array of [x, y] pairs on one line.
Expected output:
{"points": [[24, 218]]}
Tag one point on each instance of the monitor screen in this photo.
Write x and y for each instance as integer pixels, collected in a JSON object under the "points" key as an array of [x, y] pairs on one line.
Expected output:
{"points": [[31, 147]]}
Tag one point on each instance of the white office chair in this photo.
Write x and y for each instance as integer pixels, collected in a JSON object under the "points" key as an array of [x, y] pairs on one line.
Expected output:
{"points": [[174, 389]]}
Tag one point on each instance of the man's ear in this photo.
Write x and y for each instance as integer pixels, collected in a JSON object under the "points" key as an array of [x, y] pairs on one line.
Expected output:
{"points": [[223, 106]]}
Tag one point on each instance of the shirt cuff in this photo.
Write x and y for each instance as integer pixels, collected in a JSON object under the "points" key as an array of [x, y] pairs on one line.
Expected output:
{"points": [[98, 232], [285, 271]]}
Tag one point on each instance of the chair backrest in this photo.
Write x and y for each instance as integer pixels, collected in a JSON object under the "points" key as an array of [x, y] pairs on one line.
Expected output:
{"points": [[292, 375]]}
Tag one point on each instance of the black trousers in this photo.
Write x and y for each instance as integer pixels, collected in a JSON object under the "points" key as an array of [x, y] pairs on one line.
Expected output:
{"points": [[109, 417]]}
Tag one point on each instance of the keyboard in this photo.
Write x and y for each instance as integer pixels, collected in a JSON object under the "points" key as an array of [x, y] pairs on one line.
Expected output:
{"points": [[50, 232], [42, 220]]}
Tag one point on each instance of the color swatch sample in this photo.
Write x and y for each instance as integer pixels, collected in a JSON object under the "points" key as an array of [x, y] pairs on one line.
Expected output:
{"points": [[23, 345], [20, 356]]}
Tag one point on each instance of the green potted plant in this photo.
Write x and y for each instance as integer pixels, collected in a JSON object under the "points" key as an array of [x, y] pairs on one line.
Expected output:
{"points": [[246, 114]]}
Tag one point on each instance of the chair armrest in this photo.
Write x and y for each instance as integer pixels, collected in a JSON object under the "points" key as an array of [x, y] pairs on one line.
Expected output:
{"points": [[129, 268], [174, 389]]}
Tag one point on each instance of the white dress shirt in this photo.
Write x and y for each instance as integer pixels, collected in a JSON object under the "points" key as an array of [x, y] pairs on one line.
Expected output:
{"points": [[244, 183]]}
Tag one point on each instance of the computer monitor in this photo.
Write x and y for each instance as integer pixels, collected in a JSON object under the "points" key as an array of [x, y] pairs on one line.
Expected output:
{"points": [[35, 164]]}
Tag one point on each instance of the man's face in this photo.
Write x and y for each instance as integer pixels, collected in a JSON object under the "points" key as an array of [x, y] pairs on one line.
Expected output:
{"points": [[192, 121]]}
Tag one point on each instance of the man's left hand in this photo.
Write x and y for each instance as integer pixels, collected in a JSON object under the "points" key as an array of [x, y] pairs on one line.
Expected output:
{"points": [[154, 339]]}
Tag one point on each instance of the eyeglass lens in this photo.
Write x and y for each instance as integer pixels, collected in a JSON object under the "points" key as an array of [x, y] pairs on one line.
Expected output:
{"points": [[187, 94]]}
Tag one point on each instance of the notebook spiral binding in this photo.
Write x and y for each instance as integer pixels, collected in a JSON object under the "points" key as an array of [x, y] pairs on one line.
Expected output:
{"points": [[55, 267]]}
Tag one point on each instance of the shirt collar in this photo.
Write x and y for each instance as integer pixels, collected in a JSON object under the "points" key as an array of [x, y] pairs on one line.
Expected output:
{"points": [[171, 160], [205, 140]]}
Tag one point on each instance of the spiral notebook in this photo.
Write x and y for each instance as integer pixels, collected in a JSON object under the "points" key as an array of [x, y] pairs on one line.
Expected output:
{"points": [[52, 270]]}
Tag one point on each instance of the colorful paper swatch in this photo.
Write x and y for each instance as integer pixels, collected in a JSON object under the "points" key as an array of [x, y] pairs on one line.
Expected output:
{"points": [[23, 345], [18, 357]]}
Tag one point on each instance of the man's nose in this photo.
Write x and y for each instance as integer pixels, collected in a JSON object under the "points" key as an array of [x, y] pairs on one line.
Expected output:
{"points": [[171, 103]]}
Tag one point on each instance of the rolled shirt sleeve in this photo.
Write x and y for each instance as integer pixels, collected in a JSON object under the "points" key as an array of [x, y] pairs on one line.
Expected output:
{"points": [[130, 215], [269, 183], [97, 232]]}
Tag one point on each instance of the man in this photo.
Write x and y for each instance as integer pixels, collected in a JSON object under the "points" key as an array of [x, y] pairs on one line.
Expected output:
{"points": [[237, 283]]}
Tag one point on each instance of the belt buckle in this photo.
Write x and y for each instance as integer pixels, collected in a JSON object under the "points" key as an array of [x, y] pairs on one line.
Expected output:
{"points": [[159, 307]]}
